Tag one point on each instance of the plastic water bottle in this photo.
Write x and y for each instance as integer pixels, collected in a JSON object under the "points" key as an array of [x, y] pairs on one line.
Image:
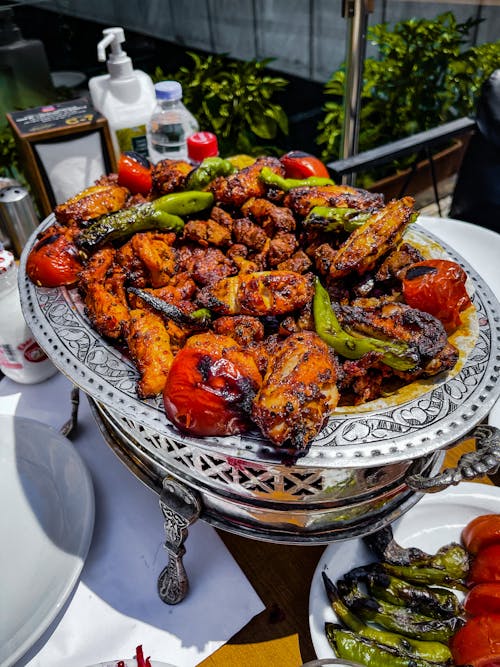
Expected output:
{"points": [[170, 125]]}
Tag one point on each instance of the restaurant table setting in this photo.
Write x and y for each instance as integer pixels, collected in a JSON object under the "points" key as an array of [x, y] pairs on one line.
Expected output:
{"points": [[115, 606]]}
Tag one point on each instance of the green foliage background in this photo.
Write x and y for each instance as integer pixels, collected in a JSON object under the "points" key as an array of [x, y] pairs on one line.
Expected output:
{"points": [[424, 77], [235, 100]]}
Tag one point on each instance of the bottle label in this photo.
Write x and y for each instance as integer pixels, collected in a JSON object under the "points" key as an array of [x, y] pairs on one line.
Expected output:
{"points": [[133, 139], [16, 357]]}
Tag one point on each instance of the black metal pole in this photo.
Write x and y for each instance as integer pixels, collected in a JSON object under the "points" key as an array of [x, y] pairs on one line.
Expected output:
{"points": [[356, 12]]}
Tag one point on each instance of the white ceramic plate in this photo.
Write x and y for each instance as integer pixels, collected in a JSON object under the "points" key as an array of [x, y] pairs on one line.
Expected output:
{"points": [[46, 524], [435, 521]]}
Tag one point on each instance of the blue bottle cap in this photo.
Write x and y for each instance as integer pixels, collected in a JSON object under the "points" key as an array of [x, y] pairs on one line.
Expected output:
{"points": [[168, 90]]}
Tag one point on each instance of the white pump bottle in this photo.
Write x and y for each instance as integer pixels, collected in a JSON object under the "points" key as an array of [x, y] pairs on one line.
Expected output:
{"points": [[125, 96]]}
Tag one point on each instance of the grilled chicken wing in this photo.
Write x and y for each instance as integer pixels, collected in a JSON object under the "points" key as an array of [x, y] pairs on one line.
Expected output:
{"points": [[302, 199], [261, 293], [236, 189], [148, 257], [243, 328], [91, 203], [149, 345], [102, 284], [170, 175], [299, 391], [367, 244]]}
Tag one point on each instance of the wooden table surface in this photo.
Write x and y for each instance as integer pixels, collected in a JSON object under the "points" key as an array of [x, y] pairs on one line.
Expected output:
{"points": [[281, 575]]}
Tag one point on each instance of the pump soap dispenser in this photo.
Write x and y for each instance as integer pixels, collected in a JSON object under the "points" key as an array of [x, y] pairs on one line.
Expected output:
{"points": [[125, 96]]}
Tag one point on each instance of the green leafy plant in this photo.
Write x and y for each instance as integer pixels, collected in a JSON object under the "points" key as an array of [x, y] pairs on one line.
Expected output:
{"points": [[235, 100], [424, 76]]}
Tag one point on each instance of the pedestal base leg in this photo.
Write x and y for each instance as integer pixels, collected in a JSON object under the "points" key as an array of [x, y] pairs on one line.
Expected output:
{"points": [[180, 507]]}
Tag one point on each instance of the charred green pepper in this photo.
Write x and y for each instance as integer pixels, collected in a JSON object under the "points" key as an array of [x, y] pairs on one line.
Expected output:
{"points": [[328, 219], [200, 317], [204, 173], [269, 177], [395, 354], [432, 651], [395, 618], [350, 646], [161, 214], [435, 602], [449, 565]]}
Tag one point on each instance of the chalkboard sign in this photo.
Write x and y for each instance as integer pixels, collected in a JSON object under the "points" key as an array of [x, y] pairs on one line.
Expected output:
{"points": [[64, 148]]}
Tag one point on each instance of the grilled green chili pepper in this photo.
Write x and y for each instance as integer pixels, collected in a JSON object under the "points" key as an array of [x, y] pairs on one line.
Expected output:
{"points": [[328, 219], [432, 651], [397, 619], [395, 354], [162, 214], [204, 173], [435, 602], [448, 566], [350, 646], [200, 317], [271, 178]]}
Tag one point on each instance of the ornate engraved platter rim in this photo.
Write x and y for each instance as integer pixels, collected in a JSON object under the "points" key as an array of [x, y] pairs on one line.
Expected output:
{"points": [[433, 420]]}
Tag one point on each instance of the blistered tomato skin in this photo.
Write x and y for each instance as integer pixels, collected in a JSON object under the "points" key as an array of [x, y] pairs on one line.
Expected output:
{"points": [[134, 173], [206, 394], [437, 286], [481, 532], [485, 567], [477, 643], [302, 165], [483, 599], [54, 260]]}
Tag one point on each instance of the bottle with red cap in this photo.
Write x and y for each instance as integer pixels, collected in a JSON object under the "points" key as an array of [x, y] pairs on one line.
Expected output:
{"points": [[201, 145]]}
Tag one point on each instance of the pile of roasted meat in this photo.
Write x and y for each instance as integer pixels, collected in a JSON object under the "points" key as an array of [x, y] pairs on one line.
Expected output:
{"points": [[250, 299]]}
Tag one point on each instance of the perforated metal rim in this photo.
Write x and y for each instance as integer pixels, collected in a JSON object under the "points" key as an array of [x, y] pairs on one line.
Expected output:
{"points": [[435, 419]]}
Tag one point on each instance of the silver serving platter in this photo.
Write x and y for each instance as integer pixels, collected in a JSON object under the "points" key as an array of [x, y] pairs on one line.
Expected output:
{"points": [[413, 422]]}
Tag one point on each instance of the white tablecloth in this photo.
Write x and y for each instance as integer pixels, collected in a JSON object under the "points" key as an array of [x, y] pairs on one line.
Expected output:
{"points": [[115, 606]]}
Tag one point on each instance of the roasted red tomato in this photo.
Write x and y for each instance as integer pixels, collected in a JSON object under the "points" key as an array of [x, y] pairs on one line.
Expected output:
{"points": [[54, 259], [483, 599], [485, 566], [134, 173], [302, 165], [211, 386], [477, 643], [437, 286], [481, 532]]}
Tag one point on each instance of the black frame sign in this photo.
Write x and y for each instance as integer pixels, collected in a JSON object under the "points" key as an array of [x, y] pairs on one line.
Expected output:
{"points": [[43, 131]]}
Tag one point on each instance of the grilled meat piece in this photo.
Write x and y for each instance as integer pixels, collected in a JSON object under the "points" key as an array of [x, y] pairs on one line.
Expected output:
{"points": [[102, 283], [149, 345], [91, 203], [301, 200], [299, 262], [367, 244], [207, 232], [273, 219], [170, 176], [396, 321], [246, 232], [243, 328], [281, 248], [234, 190], [299, 391], [148, 257], [205, 265], [261, 293], [396, 263]]}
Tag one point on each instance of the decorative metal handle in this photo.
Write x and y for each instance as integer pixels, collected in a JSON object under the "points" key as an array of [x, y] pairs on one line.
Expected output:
{"points": [[486, 459], [180, 506]]}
